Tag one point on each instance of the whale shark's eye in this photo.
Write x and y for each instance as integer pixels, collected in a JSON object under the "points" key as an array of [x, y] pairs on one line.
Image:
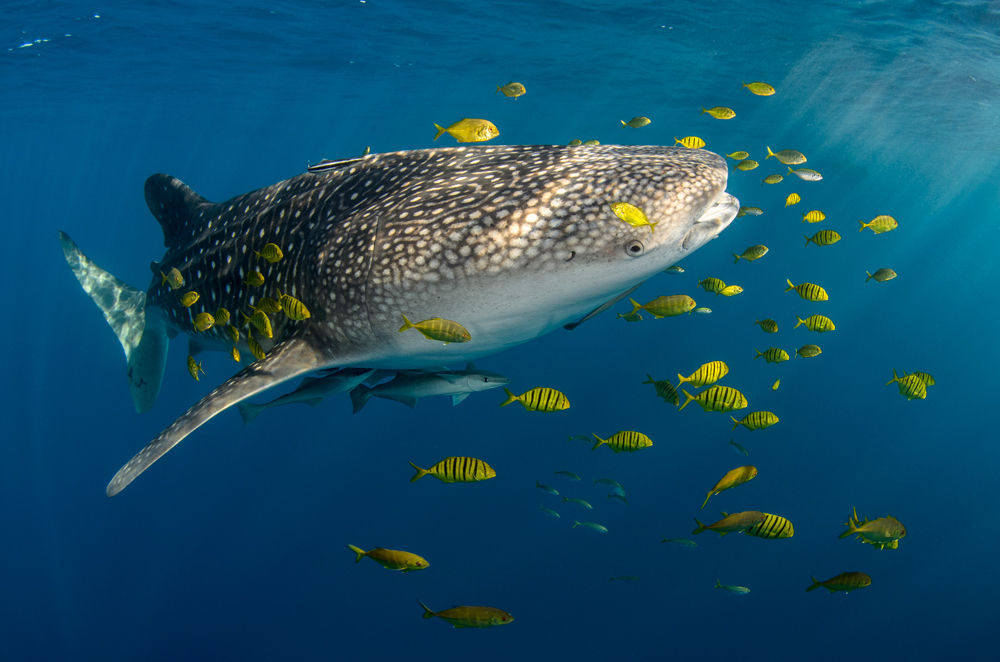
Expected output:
{"points": [[634, 248]]}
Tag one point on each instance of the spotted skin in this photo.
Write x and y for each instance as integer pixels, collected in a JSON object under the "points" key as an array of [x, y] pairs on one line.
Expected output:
{"points": [[513, 241]]}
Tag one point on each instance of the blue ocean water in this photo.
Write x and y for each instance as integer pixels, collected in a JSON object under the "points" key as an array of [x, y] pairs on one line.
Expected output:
{"points": [[234, 545]]}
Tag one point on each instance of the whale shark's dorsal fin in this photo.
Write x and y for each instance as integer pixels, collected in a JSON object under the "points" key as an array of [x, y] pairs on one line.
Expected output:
{"points": [[287, 360], [177, 207]]}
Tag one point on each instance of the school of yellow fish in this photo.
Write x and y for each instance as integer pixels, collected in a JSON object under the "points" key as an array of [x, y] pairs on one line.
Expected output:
{"points": [[882, 533]]}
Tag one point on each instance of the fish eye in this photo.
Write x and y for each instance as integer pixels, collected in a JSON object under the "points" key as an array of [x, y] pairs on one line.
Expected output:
{"points": [[634, 248]]}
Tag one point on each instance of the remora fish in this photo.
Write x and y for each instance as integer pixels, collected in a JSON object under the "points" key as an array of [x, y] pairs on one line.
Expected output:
{"points": [[311, 391], [489, 235], [408, 387]]}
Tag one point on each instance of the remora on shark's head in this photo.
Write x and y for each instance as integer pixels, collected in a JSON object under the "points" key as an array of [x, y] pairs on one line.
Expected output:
{"points": [[510, 241]]}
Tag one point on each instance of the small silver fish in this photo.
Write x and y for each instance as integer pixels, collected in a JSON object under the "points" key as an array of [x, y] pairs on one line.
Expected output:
{"points": [[580, 502], [600, 528], [568, 474], [702, 310], [551, 513], [738, 590], [683, 542], [545, 488]]}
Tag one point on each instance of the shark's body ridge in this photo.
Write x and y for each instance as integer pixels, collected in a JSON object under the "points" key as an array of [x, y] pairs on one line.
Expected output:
{"points": [[510, 241]]}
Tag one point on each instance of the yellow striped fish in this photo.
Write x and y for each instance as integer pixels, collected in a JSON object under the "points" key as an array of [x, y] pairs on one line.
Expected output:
{"points": [[438, 328], [665, 306], [233, 333], [268, 305], [188, 299], [271, 252], [254, 279], [814, 216], [260, 321], [925, 377], [713, 285], [624, 441], [776, 384], [731, 290], [707, 373], [912, 386], [756, 420], [845, 581], [255, 348], [733, 477], [808, 291], [767, 326], [664, 389], [691, 142], [203, 321], [470, 617], [880, 224], [773, 355], [717, 398], [771, 527], [293, 308], [222, 317], [235, 353], [456, 470], [824, 238], [541, 398], [881, 275], [637, 122], [393, 559], [817, 323], [793, 199]]}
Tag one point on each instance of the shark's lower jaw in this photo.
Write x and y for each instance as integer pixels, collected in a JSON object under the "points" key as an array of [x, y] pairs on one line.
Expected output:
{"points": [[716, 218]]}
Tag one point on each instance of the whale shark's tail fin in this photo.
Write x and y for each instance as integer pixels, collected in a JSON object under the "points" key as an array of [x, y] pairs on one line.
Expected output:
{"points": [[143, 337]]}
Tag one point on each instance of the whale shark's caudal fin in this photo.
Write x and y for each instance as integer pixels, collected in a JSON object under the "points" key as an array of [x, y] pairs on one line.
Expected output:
{"points": [[288, 359], [143, 337]]}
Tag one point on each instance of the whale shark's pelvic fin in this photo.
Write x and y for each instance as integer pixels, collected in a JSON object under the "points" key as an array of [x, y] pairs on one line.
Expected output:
{"points": [[142, 336], [287, 360]]}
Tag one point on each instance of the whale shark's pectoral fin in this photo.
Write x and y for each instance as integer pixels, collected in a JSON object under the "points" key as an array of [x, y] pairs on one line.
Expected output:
{"points": [[600, 309], [287, 360]]}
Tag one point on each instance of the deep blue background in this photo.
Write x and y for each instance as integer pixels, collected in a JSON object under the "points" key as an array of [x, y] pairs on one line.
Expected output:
{"points": [[234, 546]]}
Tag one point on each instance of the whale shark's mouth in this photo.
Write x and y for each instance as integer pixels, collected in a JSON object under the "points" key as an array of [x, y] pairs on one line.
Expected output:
{"points": [[716, 218]]}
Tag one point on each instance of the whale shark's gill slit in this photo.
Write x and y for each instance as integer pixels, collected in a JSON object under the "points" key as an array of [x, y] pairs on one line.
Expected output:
{"points": [[286, 361]]}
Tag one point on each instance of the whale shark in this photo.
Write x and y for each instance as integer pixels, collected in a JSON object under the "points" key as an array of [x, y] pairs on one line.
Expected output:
{"points": [[512, 242]]}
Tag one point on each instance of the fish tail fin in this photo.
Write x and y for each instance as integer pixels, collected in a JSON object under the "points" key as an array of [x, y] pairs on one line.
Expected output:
{"points": [[163, 278], [851, 523], [815, 585], [360, 395], [141, 332], [576, 523], [428, 612], [249, 411], [441, 130], [358, 553], [407, 324], [706, 502], [703, 109], [701, 527], [790, 169], [869, 275], [623, 122], [769, 153], [680, 379], [800, 321], [736, 261], [790, 286], [498, 90], [689, 399], [649, 379], [759, 354], [718, 584], [808, 239], [420, 473], [895, 377], [635, 306], [510, 397], [599, 441], [736, 424], [863, 226]]}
